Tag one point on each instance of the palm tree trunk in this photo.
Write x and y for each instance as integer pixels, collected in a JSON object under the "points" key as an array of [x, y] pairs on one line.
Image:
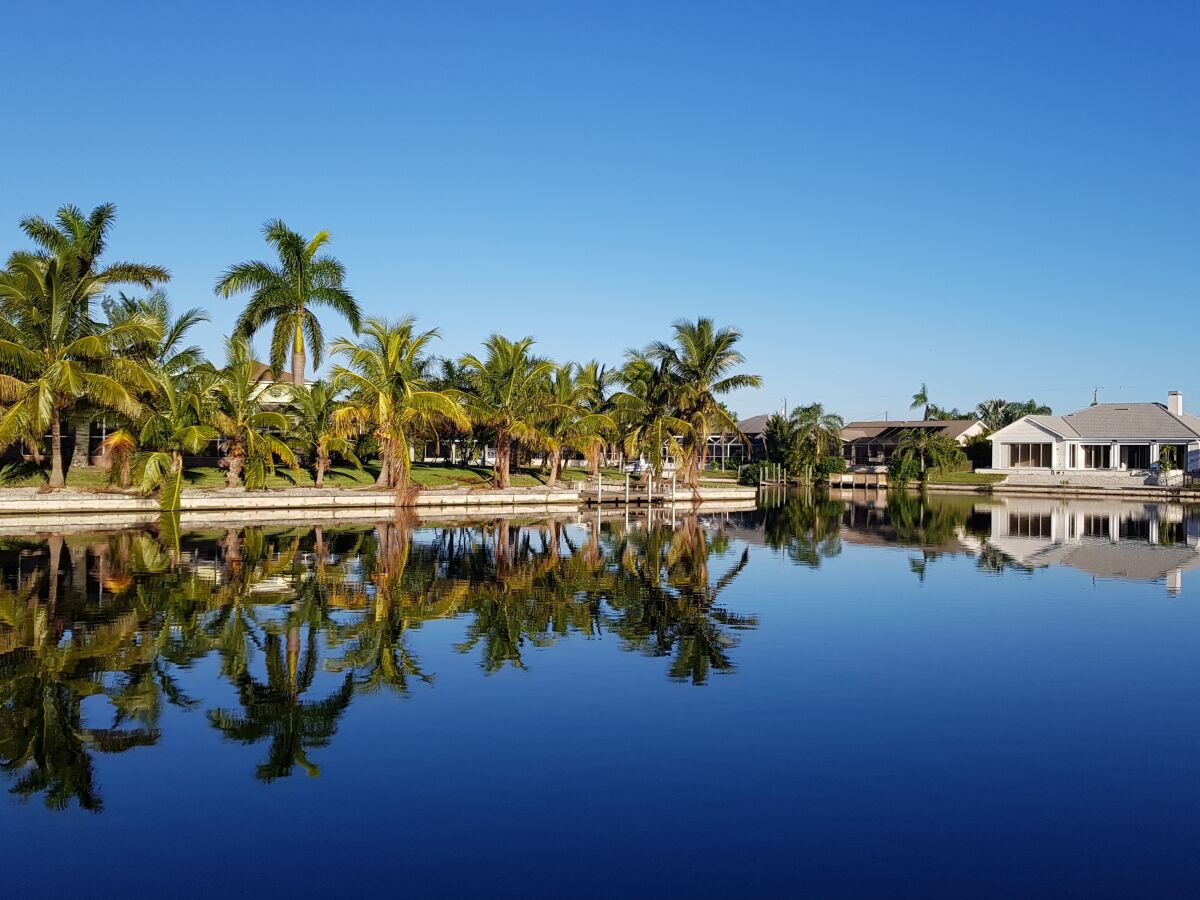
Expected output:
{"points": [[233, 475], [322, 465], [555, 458], [57, 479], [500, 470], [83, 437], [299, 360], [385, 464]]}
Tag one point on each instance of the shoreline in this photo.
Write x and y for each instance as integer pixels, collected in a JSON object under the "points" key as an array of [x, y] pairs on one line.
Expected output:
{"points": [[32, 507]]}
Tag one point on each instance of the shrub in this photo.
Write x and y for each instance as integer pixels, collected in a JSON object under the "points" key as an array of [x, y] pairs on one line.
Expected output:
{"points": [[831, 465]]}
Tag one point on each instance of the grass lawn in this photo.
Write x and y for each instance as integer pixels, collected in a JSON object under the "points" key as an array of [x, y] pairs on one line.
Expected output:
{"points": [[428, 475], [966, 478]]}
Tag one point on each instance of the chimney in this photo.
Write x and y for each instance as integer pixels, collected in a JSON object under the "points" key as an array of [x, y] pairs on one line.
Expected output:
{"points": [[1175, 402]]}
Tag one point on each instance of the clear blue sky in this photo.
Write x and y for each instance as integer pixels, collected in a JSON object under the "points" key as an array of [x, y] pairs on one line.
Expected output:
{"points": [[998, 199]]}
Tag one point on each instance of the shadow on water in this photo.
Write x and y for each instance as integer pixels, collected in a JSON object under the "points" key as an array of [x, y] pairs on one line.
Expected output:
{"points": [[98, 631]]}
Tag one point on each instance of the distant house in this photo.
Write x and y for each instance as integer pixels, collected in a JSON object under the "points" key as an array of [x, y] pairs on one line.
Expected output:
{"points": [[274, 392], [866, 444], [724, 447], [1113, 438]]}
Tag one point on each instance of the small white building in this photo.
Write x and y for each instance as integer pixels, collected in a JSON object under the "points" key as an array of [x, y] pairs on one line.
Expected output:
{"points": [[1116, 438]]}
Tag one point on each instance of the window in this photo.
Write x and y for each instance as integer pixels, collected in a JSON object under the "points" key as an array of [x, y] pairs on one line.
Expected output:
{"points": [[1074, 462], [1097, 456], [1020, 525], [1030, 456]]}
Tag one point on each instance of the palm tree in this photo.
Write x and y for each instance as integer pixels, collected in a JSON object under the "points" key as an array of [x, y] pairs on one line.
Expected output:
{"points": [[169, 354], [818, 433], [508, 391], [927, 445], [647, 411], [244, 424], [702, 359], [994, 413], [313, 410], [388, 392], [568, 425], [173, 422], [921, 399], [599, 380], [284, 295], [54, 355]]}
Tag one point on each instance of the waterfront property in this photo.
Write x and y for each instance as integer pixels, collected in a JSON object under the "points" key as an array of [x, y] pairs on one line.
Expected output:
{"points": [[869, 444], [1106, 444]]}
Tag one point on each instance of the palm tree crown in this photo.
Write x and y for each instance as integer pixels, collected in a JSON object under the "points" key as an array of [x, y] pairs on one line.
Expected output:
{"points": [[508, 387], [284, 294]]}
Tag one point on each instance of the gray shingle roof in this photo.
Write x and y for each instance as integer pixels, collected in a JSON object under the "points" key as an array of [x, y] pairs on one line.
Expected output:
{"points": [[1151, 421]]}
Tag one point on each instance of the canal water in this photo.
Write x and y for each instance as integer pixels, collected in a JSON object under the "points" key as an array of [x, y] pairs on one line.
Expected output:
{"points": [[834, 696]]}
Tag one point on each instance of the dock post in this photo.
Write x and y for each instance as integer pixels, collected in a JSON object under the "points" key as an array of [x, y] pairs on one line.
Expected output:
{"points": [[626, 488], [650, 489], [599, 489]]}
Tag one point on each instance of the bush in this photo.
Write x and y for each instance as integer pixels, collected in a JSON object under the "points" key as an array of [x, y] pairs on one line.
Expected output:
{"points": [[752, 474], [903, 469], [831, 465]]}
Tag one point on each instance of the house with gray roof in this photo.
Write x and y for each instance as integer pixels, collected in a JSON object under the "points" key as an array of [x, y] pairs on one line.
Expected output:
{"points": [[872, 444], [1117, 438]]}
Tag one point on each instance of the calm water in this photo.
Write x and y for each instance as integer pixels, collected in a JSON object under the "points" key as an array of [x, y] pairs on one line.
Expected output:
{"points": [[824, 698]]}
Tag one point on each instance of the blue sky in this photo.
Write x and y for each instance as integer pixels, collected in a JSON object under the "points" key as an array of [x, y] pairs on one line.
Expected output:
{"points": [[996, 199]]}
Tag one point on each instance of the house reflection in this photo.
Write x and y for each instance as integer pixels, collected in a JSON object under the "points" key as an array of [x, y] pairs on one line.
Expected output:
{"points": [[1107, 539]]}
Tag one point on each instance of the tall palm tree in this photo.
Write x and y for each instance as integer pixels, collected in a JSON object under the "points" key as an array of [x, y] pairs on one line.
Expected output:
{"points": [[284, 295], [599, 380], [313, 410], [508, 389], [702, 359], [243, 422], [920, 400], [388, 392], [53, 355], [567, 423], [994, 413]]}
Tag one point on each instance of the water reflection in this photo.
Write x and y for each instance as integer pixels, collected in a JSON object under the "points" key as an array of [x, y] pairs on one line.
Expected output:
{"points": [[99, 633], [102, 634], [1108, 539]]}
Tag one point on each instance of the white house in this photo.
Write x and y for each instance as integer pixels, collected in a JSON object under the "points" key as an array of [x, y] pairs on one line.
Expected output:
{"points": [[1114, 438]]}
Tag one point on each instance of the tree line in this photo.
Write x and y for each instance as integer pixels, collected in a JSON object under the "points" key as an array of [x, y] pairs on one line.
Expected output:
{"points": [[74, 348]]}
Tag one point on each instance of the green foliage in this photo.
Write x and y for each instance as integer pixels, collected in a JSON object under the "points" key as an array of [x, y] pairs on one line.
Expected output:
{"points": [[752, 473], [285, 294], [832, 465]]}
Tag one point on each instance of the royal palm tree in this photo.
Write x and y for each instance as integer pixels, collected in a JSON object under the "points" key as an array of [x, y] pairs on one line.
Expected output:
{"points": [[53, 355], [507, 396], [243, 422], [284, 295], [702, 359], [313, 429], [388, 393]]}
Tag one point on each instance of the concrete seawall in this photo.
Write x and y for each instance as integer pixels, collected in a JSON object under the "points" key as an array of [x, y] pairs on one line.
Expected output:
{"points": [[28, 509]]}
